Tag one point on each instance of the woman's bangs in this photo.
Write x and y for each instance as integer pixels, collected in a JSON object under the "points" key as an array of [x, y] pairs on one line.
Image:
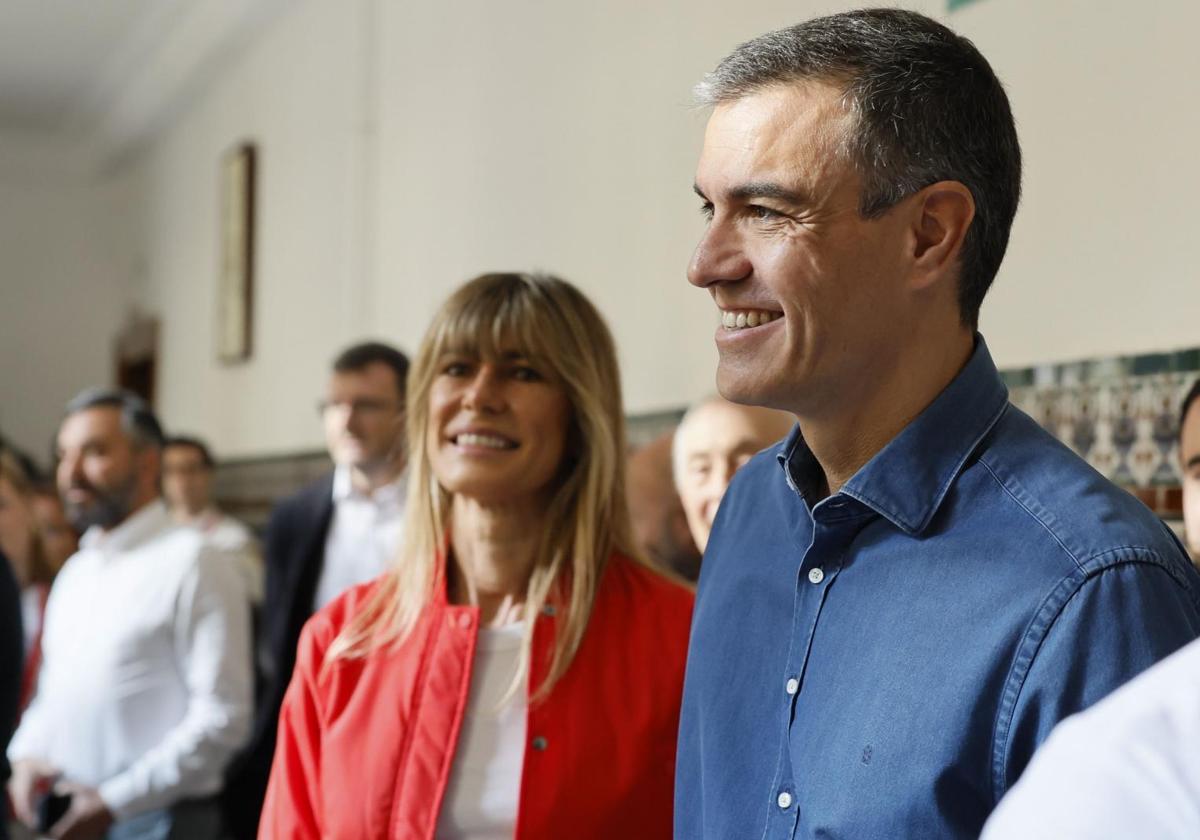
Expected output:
{"points": [[496, 324]]}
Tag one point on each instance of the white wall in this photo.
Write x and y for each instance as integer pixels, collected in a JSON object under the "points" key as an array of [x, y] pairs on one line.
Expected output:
{"points": [[408, 146], [65, 258]]}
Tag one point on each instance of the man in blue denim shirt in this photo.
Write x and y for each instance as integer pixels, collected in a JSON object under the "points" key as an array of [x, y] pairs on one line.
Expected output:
{"points": [[900, 600]]}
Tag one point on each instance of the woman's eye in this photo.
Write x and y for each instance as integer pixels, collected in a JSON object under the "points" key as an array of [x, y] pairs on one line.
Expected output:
{"points": [[526, 374], [455, 369]]}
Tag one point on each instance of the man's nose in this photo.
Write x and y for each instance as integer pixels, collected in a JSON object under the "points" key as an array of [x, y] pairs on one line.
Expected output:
{"points": [[719, 256]]}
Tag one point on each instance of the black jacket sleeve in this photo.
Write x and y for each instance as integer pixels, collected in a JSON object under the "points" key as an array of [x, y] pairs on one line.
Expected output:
{"points": [[12, 650]]}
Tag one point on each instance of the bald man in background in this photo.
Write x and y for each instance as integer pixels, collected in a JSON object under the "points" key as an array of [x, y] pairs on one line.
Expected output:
{"points": [[659, 524], [715, 438]]}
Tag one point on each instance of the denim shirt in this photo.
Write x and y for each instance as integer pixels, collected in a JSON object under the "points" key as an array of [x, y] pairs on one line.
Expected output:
{"points": [[883, 662]]}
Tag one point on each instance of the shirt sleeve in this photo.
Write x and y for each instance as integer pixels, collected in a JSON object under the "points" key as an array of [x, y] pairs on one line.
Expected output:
{"points": [[1117, 623], [292, 808], [1128, 767], [212, 638]]}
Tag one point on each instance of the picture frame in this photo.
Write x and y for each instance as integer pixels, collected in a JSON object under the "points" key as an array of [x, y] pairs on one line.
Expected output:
{"points": [[235, 285]]}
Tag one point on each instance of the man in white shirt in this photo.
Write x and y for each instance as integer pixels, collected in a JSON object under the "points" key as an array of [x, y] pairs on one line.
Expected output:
{"points": [[145, 690], [1130, 765], [339, 531], [187, 472]]}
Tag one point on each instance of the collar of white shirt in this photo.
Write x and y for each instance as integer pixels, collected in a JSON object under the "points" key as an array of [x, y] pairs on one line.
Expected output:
{"points": [[388, 495], [148, 522]]}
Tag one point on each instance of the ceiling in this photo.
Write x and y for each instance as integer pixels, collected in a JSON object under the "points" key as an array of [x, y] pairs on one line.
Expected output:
{"points": [[102, 75], [60, 58]]}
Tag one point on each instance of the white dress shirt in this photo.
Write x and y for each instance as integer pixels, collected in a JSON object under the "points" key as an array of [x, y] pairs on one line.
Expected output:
{"points": [[233, 539], [364, 535], [1128, 767], [485, 776], [145, 689]]}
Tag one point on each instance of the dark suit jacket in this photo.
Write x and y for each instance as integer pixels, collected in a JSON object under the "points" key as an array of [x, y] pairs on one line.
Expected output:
{"points": [[294, 553], [12, 651]]}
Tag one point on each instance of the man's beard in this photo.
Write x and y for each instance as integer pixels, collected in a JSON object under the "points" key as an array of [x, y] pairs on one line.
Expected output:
{"points": [[108, 508]]}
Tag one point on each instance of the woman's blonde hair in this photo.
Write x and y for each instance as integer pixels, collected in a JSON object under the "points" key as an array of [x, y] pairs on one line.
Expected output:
{"points": [[551, 323], [36, 568]]}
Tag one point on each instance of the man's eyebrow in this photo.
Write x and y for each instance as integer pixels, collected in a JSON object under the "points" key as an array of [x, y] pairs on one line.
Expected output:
{"points": [[760, 189], [767, 189]]}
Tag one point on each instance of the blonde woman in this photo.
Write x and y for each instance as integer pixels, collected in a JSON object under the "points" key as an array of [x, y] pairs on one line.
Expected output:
{"points": [[21, 543], [518, 674]]}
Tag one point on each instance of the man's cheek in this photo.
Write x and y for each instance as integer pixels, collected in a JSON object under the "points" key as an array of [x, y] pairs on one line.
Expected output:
{"points": [[1191, 514]]}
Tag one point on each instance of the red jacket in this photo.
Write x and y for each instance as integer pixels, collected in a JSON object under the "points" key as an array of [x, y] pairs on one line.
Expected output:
{"points": [[365, 746]]}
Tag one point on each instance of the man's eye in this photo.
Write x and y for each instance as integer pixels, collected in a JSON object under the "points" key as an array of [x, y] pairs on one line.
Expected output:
{"points": [[763, 213], [706, 210]]}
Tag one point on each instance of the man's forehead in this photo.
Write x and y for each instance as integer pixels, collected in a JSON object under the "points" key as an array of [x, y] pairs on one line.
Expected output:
{"points": [[182, 454], [97, 422], [372, 378], [789, 130]]}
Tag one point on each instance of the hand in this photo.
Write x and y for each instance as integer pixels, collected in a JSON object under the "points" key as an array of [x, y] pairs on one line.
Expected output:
{"points": [[88, 818], [31, 777]]}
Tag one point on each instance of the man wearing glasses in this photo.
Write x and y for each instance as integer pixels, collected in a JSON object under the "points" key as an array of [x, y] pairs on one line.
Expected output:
{"points": [[341, 530]]}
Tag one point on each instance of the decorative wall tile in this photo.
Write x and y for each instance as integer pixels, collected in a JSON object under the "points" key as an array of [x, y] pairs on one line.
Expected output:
{"points": [[1121, 414]]}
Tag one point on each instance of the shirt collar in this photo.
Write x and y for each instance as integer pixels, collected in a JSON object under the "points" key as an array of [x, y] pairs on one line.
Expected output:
{"points": [[343, 487], [907, 480], [148, 522]]}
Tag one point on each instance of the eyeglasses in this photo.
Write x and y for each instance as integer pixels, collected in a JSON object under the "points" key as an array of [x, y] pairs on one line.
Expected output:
{"points": [[363, 406]]}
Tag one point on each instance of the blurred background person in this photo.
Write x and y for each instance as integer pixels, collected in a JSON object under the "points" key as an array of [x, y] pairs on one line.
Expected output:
{"points": [[660, 526], [145, 688], [339, 531], [714, 439], [21, 542], [518, 641], [187, 479]]}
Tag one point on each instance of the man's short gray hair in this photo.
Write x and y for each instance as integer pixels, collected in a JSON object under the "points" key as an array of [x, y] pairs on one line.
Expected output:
{"points": [[137, 418], [926, 107]]}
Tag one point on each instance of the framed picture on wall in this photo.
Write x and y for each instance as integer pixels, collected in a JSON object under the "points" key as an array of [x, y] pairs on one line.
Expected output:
{"points": [[235, 285]]}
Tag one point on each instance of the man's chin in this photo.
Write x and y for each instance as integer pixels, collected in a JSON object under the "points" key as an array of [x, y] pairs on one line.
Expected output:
{"points": [[739, 386]]}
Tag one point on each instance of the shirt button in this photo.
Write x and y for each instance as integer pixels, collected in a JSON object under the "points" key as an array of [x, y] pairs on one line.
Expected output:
{"points": [[784, 801], [815, 575], [548, 610], [540, 743], [793, 685]]}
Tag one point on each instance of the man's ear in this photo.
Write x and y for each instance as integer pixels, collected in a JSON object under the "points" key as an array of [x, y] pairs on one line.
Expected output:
{"points": [[942, 215], [147, 460]]}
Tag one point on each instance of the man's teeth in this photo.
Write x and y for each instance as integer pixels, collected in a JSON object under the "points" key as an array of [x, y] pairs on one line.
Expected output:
{"points": [[741, 319], [490, 441]]}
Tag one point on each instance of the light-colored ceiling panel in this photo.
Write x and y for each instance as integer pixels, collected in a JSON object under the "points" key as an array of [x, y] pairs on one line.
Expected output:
{"points": [[53, 52]]}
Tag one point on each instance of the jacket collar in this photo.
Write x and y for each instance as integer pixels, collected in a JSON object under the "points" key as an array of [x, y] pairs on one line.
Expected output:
{"points": [[908, 479]]}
